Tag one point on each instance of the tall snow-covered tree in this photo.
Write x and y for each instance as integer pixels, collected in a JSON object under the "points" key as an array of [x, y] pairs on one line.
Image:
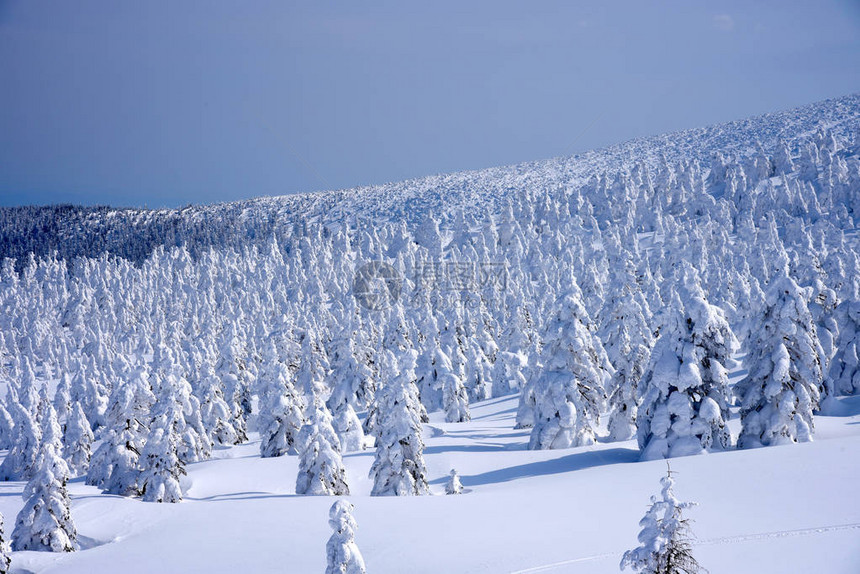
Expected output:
{"points": [[342, 554], [114, 465], [398, 468], [684, 391], [785, 362], [214, 411], [455, 399], [161, 467], [321, 470], [627, 338], [569, 392], [844, 376], [45, 522], [20, 462], [282, 415], [77, 441]]}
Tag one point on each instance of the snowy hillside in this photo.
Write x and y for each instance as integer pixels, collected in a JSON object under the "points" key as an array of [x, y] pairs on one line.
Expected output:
{"points": [[204, 389], [133, 233], [785, 509]]}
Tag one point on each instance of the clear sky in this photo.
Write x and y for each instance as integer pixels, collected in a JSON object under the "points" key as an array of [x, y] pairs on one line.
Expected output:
{"points": [[168, 102]]}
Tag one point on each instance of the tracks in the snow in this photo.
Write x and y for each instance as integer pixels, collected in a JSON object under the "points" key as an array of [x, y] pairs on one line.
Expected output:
{"points": [[707, 542]]}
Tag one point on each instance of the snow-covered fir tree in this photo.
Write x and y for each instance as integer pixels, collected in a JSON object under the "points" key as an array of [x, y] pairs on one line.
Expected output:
{"points": [[684, 392], [281, 415], [321, 470], [455, 399], [20, 462], [161, 467], [785, 361], [844, 374], [665, 539], [114, 465], [45, 522], [398, 468], [342, 554], [569, 392], [5, 549], [77, 441], [214, 411]]}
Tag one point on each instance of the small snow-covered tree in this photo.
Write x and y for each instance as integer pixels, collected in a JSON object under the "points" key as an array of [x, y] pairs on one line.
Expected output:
{"points": [[343, 556], [321, 470], [785, 362], [45, 521], [453, 486], [77, 441], [569, 392], [398, 468], [664, 541]]}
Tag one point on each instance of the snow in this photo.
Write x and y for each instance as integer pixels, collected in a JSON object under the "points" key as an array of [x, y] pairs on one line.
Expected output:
{"points": [[568, 510]]}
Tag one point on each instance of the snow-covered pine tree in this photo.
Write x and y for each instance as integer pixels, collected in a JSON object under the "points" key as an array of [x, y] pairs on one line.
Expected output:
{"points": [[627, 338], [342, 554], [664, 541], [321, 470], [282, 415], [785, 361], [350, 377], [684, 391], [161, 468], [114, 465], [45, 522], [7, 428], [5, 549], [455, 399], [20, 462], [214, 411], [569, 392], [77, 441], [62, 400], [845, 366], [398, 468]]}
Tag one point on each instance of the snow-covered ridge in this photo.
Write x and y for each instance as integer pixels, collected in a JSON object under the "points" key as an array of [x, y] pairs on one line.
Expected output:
{"points": [[133, 233]]}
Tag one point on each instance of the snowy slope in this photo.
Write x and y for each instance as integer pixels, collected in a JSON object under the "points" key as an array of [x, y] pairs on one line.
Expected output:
{"points": [[779, 509], [134, 233], [773, 510]]}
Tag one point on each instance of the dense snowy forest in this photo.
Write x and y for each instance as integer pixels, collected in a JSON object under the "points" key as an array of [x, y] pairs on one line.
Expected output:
{"points": [[611, 293]]}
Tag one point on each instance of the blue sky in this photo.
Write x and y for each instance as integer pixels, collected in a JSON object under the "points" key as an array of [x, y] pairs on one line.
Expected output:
{"points": [[163, 103]]}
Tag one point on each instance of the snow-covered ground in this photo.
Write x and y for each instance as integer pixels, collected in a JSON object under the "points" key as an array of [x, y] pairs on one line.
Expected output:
{"points": [[780, 509]]}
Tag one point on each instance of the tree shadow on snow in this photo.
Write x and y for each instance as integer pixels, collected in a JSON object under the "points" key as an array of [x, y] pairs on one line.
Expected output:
{"points": [[577, 461]]}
